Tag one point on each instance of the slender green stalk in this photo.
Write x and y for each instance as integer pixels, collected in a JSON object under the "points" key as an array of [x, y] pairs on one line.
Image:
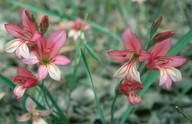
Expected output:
{"points": [[113, 107], [60, 112]]}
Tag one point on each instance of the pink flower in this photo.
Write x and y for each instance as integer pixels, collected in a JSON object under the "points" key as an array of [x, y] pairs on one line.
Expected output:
{"points": [[132, 53], [77, 27], [47, 54], [129, 89], [33, 114], [26, 80], [165, 64], [25, 35]]}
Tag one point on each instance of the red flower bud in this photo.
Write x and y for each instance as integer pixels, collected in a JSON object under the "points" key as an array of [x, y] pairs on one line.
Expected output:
{"points": [[156, 25], [44, 24], [162, 36]]}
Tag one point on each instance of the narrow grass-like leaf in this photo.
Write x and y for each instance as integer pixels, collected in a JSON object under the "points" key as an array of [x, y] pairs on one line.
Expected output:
{"points": [[153, 75], [92, 52], [90, 78]]}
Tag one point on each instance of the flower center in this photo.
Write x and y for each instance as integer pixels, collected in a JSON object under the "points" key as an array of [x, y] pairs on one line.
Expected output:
{"points": [[45, 61], [135, 56]]}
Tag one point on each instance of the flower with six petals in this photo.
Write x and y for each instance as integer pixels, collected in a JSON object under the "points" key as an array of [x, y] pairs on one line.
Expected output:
{"points": [[77, 27], [47, 54], [165, 64], [27, 34], [33, 114], [129, 89], [131, 54], [26, 80]]}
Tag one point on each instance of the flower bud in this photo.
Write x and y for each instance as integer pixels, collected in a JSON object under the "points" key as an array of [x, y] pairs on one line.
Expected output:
{"points": [[162, 36], [155, 25], [44, 24]]}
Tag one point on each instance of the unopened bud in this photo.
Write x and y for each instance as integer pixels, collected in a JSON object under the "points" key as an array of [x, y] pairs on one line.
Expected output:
{"points": [[44, 24], [162, 36], [155, 25]]}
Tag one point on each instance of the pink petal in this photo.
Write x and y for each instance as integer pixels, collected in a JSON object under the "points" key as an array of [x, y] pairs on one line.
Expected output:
{"points": [[42, 72], [30, 105], [174, 73], [11, 46], [55, 41], [118, 55], [134, 99], [15, 30], [19, 91], [44, 112], [61, 60], [175, 61], [86, 27], [21, 71], [168, 83], [36, 36], [160, 49], [30, 83], [24, 117], [130, 41], [54, 72], [32, 59], [26, 22], [143, 55]]}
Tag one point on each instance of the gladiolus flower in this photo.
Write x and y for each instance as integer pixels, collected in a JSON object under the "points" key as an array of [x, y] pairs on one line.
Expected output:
{"points": [[26, 35], [132, 53], [33, 114], [47, 54], [129, 89], [165, 64], [25, 79], [77, 27]]}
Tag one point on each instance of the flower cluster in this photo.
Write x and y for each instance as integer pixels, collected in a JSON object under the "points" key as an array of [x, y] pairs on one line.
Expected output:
{"points": [[31, 46], [156, 60]]}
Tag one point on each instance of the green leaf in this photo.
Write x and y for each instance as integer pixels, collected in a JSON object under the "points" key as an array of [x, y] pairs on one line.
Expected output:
{"points": [[90, 78], [92, 52], [153, 75]]}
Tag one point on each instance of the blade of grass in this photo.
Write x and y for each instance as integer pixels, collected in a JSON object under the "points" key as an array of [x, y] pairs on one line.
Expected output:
{"points": [[90, 78], [92, 52], [153, 75]]}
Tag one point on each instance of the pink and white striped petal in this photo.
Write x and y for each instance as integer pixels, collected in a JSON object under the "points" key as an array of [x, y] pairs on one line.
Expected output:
{"points": [[42, 72], [133, 74], [174, 73], [32, 59], [24, 50], [24, 117], [30, 105], [19, 91], [11, 46], [54, 72]]}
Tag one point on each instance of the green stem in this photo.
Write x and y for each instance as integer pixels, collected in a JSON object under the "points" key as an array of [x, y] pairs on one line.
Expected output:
{"points": [[113, 107], [61, 114]]}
